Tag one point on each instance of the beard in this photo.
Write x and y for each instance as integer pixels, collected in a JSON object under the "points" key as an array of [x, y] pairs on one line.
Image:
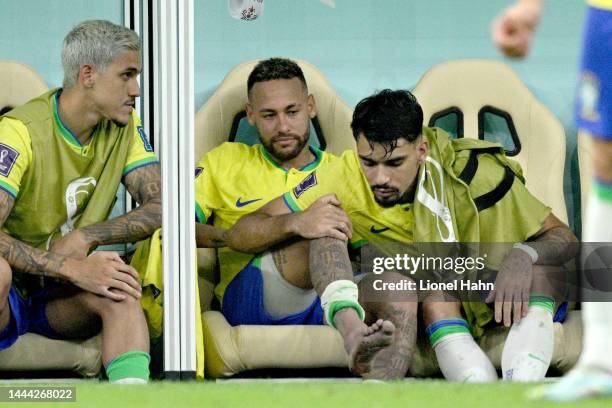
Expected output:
{"points": [[386, 202], [283, 154]]}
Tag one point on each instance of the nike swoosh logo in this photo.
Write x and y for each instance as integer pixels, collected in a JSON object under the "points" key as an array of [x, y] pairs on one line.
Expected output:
{"points": [[243, 203], [378, 231]]}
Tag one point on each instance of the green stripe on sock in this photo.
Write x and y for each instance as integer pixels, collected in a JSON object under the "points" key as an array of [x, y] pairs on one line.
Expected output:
{"points": [[445, 331], [133, 364], [544, 301], [602, 191], [335, 307], [531, 355]]}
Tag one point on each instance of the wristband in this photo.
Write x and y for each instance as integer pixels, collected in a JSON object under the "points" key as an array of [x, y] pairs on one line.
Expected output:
{"points": [[533, 254]]}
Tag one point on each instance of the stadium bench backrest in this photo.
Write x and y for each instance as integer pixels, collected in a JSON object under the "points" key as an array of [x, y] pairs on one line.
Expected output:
{"points": [[18, 84], [487, 100]]}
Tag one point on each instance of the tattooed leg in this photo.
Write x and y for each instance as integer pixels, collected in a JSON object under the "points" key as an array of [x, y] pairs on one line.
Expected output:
{"points": [[329, 262], [5, 287], [393, 362]]}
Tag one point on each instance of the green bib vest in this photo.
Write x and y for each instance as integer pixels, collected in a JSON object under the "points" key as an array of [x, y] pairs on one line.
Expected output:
{"points": [[63, 189], [464, 197]]}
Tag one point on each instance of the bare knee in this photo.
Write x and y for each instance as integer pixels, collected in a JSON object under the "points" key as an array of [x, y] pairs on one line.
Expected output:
{"points": [[6, 277], [439, 306], [291, 261], [108, 308]]}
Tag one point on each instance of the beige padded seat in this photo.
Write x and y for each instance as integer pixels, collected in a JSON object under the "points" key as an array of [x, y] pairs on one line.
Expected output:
{"points": [[213, 121], [473, 84], [18, 84], [232, 350]]}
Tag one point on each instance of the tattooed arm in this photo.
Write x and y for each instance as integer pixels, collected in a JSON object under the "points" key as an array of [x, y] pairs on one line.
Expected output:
{"points": [[555, 243], [208, 236], [274, 223], [144, 184], [98, 273]]}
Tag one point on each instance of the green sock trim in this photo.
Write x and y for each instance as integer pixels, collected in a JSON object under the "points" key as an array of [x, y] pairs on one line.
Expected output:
{"points": [[531, 355], [602, 191], [437, 335], [544, 301], [133, 364], [343, 304]]}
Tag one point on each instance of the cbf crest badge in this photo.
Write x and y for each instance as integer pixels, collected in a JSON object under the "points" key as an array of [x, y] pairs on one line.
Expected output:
{"points": [[588, 97], [309, 181]]}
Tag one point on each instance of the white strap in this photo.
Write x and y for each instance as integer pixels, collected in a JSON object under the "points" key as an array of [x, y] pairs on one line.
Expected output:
{"points": [[533, 254]]}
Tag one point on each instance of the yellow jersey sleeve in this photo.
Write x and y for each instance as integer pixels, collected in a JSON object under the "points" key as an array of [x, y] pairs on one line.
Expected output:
{"points": [[15, 154], [342, 177], [205, 191], [601, 4], [141, 152]]}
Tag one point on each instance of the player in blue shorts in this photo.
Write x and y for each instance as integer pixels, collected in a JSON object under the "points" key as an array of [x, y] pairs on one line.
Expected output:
{"points": [[276, 286], [62, 158], [512, 33]]}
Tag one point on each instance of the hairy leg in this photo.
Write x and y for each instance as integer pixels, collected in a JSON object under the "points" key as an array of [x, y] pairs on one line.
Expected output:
{"points": [[5, 287], [329, 262]]}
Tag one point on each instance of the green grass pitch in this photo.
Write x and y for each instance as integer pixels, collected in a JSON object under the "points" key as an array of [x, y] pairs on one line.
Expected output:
{"points": [[311, 394]]}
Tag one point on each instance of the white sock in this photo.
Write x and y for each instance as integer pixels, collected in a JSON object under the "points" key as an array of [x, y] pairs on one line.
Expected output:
{"points": [[530, 344], [597, 316], [459, 357], [597, 336]]}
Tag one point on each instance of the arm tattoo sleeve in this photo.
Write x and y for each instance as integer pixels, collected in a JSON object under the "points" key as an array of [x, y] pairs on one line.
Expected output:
{"points": [[556, 246], [144, 184], [23, 257]]}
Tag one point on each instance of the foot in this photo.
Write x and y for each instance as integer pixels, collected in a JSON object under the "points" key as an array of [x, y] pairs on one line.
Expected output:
{"points": [[578, 384], [365, 342]]}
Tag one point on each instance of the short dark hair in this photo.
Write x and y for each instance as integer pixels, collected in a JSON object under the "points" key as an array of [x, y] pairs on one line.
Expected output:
{"points": [[387, 116], [275, 68]]}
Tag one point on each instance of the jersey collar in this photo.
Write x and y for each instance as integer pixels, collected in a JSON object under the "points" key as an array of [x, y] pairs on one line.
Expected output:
{"points": [[318, 156], [66, 133]]}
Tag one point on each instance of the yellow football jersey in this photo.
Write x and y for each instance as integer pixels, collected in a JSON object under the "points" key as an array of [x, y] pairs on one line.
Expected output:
{"points": [[371, 222], [233, 180], [15, 136]]}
